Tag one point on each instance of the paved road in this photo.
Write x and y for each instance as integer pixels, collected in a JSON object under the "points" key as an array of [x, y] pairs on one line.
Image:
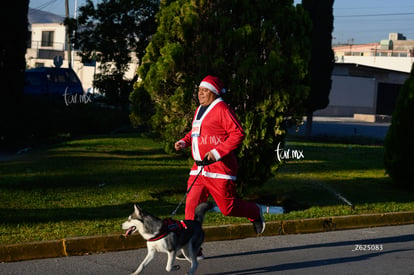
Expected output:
{"points": [[335, 252]]}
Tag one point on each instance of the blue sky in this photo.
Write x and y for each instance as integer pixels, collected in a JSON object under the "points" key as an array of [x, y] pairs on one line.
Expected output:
{"points": [[355, 21], [371, 20]]}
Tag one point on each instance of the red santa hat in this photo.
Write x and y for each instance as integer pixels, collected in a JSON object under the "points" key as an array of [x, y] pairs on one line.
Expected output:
{"points": [[214, 84]]}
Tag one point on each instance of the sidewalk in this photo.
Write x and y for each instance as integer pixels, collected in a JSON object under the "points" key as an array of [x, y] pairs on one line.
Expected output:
{"points": [[116, 242], [343, 127]]}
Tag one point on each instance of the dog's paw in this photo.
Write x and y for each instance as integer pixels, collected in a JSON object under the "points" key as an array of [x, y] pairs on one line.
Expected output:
{"points": [[173, 268]]}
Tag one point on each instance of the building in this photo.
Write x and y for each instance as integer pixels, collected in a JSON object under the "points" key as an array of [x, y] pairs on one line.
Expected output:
{"points": [[48, 41], [394, 53], [363, 92], [366, 78]]}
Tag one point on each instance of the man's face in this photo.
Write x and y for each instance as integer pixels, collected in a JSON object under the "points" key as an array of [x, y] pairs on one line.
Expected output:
{"points": [[205, 96]]}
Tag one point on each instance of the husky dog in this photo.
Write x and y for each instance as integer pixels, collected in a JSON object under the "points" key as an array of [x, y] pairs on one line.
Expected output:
{"points": [[168, 236]]}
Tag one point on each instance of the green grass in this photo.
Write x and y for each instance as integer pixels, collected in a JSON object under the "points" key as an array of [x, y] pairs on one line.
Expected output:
{"points": [[88, 186], [354, 171]]}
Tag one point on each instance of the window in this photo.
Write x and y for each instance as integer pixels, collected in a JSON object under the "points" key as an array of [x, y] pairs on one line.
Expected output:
{"points": [[47, 38]]}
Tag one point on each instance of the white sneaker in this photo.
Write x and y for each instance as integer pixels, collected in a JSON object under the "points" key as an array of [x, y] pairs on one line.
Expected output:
{"points": [[259, 224]]}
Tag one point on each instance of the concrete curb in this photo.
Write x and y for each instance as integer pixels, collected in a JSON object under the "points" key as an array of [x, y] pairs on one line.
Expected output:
{"points": [[117, 242]]}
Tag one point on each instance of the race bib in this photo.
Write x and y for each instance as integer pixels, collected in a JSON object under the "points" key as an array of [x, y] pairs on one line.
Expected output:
{"points": [[195, 132]]}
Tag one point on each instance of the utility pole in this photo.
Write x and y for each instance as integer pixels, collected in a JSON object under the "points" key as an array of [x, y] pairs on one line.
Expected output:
{"points": [[68, 44]]}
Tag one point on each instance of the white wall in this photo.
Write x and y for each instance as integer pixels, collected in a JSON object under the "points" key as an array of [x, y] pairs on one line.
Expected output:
{"points": [[350, 95], [353, 91], [59, 35]]}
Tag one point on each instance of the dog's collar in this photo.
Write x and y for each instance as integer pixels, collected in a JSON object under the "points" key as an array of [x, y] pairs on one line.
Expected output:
{"points": [[169, 225]]}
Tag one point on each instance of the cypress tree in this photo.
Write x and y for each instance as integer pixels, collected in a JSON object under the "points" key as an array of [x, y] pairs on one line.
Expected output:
{"points": [[260, 49], [322, 56]]}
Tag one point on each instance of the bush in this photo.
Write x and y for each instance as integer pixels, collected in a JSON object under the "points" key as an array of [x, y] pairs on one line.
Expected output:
{"points": [[142, 108], [399, 143]]}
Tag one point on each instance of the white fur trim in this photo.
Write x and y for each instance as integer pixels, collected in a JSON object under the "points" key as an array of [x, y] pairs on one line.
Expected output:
{"points": [[196, 152], [212, 175], [194, 147], [209, 86], [216, 154]]}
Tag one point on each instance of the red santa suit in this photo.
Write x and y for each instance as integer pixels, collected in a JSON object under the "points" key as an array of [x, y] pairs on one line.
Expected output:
{"points": [[217, 131]]}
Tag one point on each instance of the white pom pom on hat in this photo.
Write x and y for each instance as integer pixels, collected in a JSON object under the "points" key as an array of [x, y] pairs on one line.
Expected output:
{"points": [[214, 84]]}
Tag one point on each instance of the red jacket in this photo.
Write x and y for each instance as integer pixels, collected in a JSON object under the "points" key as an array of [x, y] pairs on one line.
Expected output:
{"points": [[219, 131]]}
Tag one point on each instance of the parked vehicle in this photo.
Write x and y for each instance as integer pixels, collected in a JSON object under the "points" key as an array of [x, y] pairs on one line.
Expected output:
{"points": [[52, 82], [95, 93]]}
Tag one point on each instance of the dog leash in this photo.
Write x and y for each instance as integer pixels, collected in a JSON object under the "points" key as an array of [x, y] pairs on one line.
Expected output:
{"points": [[200, 164]]}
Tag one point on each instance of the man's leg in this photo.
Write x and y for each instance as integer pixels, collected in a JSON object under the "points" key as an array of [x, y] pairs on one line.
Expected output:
{"points": [[197, 195], [224, 193]]}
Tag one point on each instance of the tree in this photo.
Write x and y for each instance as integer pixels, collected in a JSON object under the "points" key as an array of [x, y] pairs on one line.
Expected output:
{"points": [[111, 33], [258, 48], [399, 142], [322, 56], [13, 46]]}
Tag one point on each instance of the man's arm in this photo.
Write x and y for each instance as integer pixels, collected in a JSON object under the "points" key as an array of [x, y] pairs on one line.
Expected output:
{"points": [[235, 138]]}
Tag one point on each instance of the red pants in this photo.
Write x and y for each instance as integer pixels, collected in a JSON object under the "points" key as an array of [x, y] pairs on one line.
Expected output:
{"points": [[224, 193]]}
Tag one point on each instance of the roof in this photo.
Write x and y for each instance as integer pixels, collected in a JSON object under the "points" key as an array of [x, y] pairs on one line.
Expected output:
{"points": [[47, 69], [366, 67]]}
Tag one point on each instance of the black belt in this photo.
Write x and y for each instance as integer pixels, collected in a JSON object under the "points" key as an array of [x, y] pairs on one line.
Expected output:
{"points": [[204, 162]]}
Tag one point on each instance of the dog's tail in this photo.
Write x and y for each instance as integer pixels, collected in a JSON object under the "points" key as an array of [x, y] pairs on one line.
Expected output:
{"points": [[201, 210]]}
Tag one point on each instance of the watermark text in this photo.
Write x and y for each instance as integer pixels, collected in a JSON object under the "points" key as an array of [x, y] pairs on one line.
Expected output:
{"points": [[368, 247], [76, 98], [288, 154]]}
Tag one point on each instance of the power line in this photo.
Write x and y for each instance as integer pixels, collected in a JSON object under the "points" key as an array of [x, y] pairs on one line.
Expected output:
{"points": [[45, 5], [372, 15]]}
